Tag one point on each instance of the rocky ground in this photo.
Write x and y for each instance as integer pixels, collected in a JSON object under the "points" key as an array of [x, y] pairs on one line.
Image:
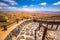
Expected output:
{"points": [[28, 33]]}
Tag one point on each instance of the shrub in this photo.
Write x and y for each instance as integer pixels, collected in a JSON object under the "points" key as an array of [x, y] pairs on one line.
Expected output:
{"points": [[4, 18]]}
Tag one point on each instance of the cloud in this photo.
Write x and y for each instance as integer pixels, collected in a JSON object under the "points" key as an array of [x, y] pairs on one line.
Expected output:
{"points": [[3, 4], [57, 3], [32, 5], [12, 2], [9, 9], [25, 6], [42, 7], [43, 4], [18, 9], [29, 9], [0, 8]]}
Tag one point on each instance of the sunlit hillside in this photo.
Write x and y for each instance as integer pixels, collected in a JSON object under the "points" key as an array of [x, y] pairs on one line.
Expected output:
{"points": [[14, 15]]}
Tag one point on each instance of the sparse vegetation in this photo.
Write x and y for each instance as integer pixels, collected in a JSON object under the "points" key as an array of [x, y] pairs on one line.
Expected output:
{"points": [[10, 17], [4, 18]]}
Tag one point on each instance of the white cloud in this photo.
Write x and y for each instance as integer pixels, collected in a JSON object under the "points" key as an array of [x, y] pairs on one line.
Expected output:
{"points": [[3, 4], [25, 6], [57, 3], [0, 8], [42, 7], [18, 9], [29, 9], [44, 3], [9, 9], [12, 2], [32, 5]]}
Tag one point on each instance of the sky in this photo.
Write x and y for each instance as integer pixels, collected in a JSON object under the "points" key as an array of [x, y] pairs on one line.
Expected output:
{"points": [[30, 5]]}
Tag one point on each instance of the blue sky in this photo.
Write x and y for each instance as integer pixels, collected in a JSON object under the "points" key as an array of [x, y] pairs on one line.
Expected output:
{"points": [[29, 5]]}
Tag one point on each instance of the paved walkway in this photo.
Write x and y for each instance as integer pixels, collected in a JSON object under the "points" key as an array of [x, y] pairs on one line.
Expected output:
{"points": [[3, 34]]}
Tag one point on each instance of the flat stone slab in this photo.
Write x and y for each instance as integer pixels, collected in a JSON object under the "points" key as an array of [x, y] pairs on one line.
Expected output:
{"points": [[28, 38], [28, 33]]}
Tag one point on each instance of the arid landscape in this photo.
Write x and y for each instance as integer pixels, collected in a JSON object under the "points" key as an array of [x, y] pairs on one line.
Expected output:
{"points": [[53, 15], [12, 16], [8, 18]]}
